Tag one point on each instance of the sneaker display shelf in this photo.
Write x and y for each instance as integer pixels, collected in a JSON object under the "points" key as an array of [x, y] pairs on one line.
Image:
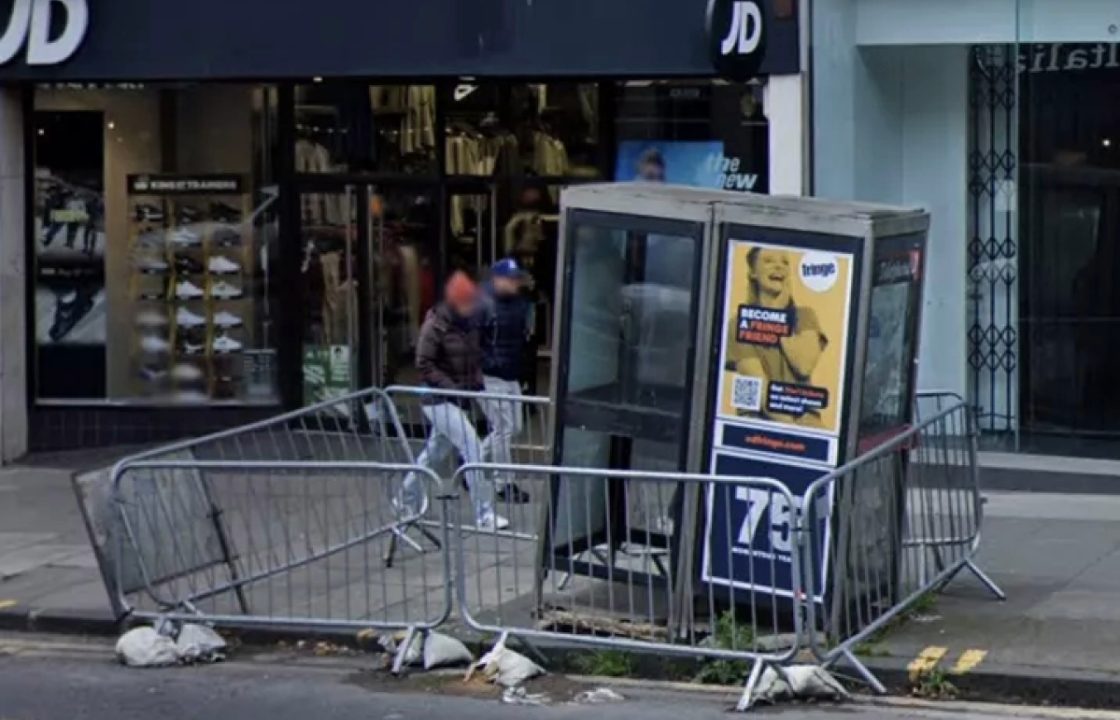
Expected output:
{"points": [[191, 286]]}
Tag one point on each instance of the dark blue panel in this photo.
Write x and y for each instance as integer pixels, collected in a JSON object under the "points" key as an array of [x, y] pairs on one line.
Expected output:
{"points": [[153, 39]]}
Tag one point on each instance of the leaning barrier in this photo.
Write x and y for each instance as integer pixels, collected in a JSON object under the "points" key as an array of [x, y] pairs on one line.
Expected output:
{"points": [[908, 520], [298, 521]]}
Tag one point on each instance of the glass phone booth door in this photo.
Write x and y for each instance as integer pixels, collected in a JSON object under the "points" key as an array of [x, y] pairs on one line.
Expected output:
{"points": [[624, 382]]}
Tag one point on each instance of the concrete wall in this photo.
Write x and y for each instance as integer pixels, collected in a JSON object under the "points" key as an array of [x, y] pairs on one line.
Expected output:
{"points": [[890, 124], [13, 279]]}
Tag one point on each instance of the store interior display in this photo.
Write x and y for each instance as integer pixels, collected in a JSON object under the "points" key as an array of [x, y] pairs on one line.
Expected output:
{"points": [[394, 187], [70, 242], [195, 273]]}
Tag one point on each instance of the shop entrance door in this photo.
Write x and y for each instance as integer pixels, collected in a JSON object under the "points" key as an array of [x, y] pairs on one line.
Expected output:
{"points": [[368, 278], [472, 227], [329, 289]]}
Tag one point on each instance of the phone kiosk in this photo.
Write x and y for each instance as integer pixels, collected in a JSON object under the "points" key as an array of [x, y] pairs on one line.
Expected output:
{"points": [[728, 333]]}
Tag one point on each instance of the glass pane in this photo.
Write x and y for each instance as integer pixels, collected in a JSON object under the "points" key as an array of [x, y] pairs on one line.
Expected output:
{"points": [[347, 127], [530, 233], [330, 295], [156, 243], [888, 374], [405, 256], [700, 133], [513, 129], [631, 307]]}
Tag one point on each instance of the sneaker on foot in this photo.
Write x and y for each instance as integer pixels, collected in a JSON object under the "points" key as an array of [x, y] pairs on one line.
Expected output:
{"points": [[491, 522]]}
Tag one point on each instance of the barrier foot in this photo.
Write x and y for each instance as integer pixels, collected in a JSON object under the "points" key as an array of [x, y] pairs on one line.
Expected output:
{"points": [[400, 535], [402, 650], [987, 581], [746, 700], [861, 669]]}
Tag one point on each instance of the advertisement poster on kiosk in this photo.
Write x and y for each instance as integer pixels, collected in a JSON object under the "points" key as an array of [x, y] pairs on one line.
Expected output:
{"points": [[779, 403]]}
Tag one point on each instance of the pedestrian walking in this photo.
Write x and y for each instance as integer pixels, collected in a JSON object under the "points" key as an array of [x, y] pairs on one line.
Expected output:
{"points": [[504, 327], [449, 357]]}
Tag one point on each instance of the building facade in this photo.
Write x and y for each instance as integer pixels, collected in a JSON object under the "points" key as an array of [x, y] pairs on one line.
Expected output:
{"points": [[211, 211], [998, 116]]}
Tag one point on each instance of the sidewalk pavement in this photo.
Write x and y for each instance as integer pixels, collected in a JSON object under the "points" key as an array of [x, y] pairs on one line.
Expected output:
{"points": [[49, 577], [1056, 556]]}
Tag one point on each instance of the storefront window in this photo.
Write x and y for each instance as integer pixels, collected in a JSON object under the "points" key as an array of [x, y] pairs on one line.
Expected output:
{"points": [[155, 244], [348, 127], [510, 129], [705, 134]]}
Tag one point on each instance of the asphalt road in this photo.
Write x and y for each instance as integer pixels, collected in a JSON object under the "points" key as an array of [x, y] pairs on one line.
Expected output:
{"points": [[50, 679]]}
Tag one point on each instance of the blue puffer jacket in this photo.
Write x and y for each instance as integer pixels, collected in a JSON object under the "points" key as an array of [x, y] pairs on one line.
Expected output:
{"points": [[503, 327]]}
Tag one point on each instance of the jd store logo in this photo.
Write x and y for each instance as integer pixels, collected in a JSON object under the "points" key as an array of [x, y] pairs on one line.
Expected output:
{"points": [[736, 37], [745, 30], [819, 271], [32, 22]]}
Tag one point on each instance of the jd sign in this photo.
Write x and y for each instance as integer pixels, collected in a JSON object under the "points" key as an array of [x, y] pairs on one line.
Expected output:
{"points": [[736, 37], [30, 25]]}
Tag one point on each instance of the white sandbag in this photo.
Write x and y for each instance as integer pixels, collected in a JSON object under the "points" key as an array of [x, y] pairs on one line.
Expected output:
{"points": [[144, 647], [442, 650], [508, 668], [391, 643], [198, 643], [800, 682]]}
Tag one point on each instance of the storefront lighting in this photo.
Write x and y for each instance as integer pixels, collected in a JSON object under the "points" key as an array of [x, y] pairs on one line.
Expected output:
{"points": [[317, 79]]}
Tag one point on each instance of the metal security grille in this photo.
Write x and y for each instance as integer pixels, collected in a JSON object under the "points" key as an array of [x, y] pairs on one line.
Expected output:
{"points": [[993, 252]]}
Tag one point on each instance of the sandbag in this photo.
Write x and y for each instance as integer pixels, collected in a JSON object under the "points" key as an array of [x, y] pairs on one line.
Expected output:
{"points": [[442, 650], [144, 647], [198, 643]]}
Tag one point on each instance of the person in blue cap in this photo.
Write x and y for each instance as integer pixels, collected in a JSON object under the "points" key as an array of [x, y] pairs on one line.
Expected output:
{"points": [[504, 331]]}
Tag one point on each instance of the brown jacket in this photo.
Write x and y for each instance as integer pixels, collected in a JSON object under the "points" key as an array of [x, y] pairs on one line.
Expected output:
{"points": [[448, 354]]}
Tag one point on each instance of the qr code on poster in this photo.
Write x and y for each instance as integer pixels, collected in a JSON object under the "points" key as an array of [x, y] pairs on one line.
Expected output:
{"points": [[746, 393]]}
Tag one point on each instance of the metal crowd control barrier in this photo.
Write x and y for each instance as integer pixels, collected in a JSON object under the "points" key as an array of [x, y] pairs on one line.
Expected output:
{"points": [[279, 544], [604, 572], [279, 523], [449, 428], [909, 515]]}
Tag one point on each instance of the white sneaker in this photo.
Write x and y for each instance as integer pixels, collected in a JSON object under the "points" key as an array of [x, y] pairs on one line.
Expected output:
{"points": [[226, 344], [184, 237], [190, 348], [186, 318], [224, 291], [226, 319], [187, 290], [151, 319], [221, 265], [491, 522], [151, 265], [186, 373], [154, 344]]}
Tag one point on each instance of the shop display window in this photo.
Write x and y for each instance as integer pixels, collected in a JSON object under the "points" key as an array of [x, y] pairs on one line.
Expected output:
{"points": [[155, 236], [710, 134], [347, 127], [518, 129]]}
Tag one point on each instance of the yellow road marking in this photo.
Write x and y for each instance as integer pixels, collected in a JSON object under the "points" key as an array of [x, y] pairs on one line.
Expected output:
{"points": [[5, 604], [927, 660], [968, 660]]}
